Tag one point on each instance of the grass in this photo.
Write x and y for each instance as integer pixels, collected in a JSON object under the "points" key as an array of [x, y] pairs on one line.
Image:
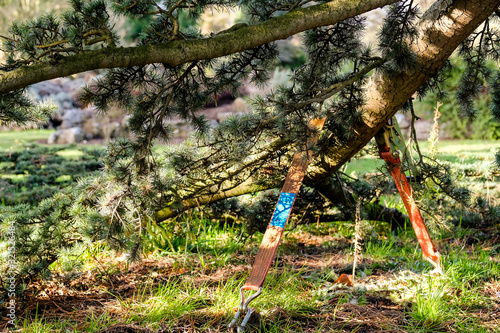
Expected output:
{"points": [[449, 298], [461, 146], [190, 279], [455, 151], [431, 308], [70, 154], [379, 249], [15, 178], [92, 323], [165, 302], [16, 140], [357, 167], [299, 294]]}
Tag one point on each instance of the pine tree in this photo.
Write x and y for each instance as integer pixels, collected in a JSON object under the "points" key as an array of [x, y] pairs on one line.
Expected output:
{"points": [[175, 71]]}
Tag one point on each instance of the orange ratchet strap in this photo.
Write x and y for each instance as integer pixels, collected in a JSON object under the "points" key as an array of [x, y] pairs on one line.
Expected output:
{"points": [[276, 227], [391, 157]]}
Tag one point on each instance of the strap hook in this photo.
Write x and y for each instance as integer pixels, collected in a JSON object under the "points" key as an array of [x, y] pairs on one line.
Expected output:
{"points": [[242, 308]]}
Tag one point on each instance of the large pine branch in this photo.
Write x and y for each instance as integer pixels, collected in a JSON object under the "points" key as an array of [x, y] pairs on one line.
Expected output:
{"points": [[441, 30], [184, 51], [444, 26]]}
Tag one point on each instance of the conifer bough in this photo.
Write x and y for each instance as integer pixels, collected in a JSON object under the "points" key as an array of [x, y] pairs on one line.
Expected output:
{"points": [[440, 31], [178, 52], [174, 71]]}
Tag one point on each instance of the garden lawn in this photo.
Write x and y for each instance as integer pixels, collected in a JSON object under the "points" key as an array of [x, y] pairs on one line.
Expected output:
{"points": [[16, 140]]}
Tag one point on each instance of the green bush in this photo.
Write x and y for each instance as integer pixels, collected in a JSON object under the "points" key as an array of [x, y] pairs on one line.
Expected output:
{"points": [[35, 173]]}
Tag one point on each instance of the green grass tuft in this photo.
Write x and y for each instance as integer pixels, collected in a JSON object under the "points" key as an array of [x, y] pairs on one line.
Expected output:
{"points": [[431, 308]]}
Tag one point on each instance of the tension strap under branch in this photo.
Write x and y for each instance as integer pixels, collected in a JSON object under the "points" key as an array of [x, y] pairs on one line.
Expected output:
{"points": [[274, 231], [390, 146]]}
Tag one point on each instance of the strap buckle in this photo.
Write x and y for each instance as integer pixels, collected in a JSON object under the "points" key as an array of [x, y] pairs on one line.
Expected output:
{"points": [[386, 138], [243, 307]]}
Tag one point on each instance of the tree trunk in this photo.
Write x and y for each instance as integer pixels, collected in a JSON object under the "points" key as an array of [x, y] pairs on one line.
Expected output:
{"points": [[442, 29]]}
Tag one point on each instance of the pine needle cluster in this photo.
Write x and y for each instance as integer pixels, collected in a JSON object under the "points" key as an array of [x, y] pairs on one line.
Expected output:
{"points": [[255, 147]]}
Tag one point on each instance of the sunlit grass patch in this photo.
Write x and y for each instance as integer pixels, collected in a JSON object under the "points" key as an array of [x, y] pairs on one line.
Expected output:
{"points": [[70, 153], [15, 178], [222, 242], [473, 267], [92, 323], [472, 325], [468, 276], [285, 288], [172, 300], [15, 140], [39, 324], [63, 178], [193, 234], [379, 249], [225, 296], [95, 322], [431, 306], [6, 165], [168, 301], [443, 301]]}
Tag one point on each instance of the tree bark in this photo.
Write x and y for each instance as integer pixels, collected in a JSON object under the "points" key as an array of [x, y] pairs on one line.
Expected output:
{"points": [[184, 51], [442, 28]]}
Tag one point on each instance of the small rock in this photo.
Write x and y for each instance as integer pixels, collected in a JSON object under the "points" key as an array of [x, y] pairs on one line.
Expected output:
{"points": [[66, 136], [72, 118], [52, 138], [422, 129]]}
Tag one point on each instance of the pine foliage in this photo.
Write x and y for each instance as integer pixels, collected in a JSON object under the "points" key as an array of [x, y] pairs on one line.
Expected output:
{"points": [[396, 35], [477, 49], [17, 108], [116, 205]]}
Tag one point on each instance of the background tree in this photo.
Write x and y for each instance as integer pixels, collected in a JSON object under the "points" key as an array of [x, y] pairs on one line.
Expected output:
{"points": [[174, 72]]}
